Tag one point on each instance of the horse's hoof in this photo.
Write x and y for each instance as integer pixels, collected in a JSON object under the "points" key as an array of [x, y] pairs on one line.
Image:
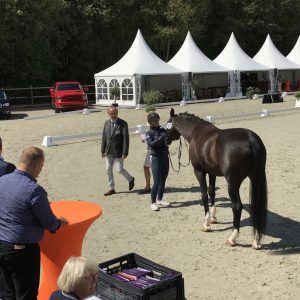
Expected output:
{"points": [[206, 229], [213, 221], [230, 243], [256, 246]]}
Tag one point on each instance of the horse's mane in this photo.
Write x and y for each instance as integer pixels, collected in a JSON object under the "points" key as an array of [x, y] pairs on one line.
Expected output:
{"points": [[193, 118]]}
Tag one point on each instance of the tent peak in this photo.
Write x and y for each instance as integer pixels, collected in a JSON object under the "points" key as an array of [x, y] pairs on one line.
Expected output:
{"points": [[190, 58], [139, 59], [294, 55], [234, 58], [272, 57]]}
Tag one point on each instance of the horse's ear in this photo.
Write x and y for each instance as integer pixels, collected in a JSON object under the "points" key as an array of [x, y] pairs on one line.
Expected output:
{"points": [[172, 112]]}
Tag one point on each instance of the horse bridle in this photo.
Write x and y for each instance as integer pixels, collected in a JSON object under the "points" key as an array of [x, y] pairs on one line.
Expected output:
{"points": [[169, 126]]}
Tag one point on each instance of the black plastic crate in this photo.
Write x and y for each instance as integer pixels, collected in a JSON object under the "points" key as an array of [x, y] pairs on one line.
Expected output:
{"points": [[110, 288]]}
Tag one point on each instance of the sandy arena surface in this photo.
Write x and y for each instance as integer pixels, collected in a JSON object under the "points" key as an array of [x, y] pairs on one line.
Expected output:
{"points": [[173, 237]]}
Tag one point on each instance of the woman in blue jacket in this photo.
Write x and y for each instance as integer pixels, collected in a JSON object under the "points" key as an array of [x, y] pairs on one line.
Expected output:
{"points": [[156, 139]]}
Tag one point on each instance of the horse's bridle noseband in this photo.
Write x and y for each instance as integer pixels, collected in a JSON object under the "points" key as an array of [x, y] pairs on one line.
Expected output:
{"points": [[170, 126]]}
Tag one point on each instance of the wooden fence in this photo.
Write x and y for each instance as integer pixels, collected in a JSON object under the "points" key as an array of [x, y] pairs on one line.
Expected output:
{"points": [[39, 96]]}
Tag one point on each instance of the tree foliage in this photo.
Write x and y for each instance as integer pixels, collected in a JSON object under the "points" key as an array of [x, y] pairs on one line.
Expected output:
{"points": [[49, 40]]}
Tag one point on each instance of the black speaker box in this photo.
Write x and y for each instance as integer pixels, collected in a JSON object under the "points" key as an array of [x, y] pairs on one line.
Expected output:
{"points": [[272, 98]]}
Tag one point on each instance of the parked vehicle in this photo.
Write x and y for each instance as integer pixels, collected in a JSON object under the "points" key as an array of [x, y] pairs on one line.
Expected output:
{"points": [[68, 95], [5, 108]]}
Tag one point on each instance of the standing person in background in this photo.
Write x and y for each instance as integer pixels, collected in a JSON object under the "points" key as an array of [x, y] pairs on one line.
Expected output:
{"points": [[115, 147], [5, 168], [24, 215], [156, 139], [147, 166], [77, 280]]}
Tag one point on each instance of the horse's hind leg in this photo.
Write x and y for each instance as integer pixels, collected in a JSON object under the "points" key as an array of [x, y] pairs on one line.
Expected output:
{"points": [[212, 194], [237, 206], [203, 186]]}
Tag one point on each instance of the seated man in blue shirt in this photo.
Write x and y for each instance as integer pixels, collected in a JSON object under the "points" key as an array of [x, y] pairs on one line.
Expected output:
{"points": [[5, 168], [24, 215]]}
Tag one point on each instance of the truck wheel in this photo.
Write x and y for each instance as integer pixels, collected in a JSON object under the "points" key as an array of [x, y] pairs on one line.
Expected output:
{"points": [[56, 110]]}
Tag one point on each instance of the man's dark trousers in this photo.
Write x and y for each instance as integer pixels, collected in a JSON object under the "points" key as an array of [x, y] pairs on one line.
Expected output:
{"points": [[21, 271]]}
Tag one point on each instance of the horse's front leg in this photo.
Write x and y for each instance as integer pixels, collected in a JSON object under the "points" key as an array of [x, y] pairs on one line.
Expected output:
{"points": [[237, 206], [212, 194], [203, 187]]}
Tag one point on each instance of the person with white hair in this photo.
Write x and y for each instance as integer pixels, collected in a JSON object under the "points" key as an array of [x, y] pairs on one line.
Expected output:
{"points": [[77, 279]]}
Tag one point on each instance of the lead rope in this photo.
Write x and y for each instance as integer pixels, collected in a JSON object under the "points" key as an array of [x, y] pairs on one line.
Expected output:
{"points": [[179, 157]]}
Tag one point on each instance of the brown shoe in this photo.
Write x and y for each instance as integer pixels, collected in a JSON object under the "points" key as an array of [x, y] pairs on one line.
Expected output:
{"points": [[110, 192], [131, 184]]}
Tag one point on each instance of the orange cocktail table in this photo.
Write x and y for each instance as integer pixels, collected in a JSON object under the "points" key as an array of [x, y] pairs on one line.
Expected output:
{"points": [[67, 241]]}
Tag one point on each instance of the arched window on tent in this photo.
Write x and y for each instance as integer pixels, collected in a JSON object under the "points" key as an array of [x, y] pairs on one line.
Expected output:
{"points": [[113, 83], [102, 90], [127, 89]]}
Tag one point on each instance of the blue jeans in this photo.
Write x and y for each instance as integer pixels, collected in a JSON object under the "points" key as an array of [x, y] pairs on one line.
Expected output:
{"points": [[160, 171]]}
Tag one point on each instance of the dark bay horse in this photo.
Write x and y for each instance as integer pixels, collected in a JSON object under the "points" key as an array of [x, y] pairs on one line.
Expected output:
{"points": [[233, 153]]}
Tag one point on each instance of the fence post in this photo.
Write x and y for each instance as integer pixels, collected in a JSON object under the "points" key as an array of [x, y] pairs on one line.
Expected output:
{"points": [[31, 95]]}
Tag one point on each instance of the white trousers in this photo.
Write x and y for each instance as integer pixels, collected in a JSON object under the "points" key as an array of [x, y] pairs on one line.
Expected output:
{"points": [[120, 169]]}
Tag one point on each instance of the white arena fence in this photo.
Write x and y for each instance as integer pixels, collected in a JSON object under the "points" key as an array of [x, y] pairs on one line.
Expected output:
{"points": [[49, 141]]}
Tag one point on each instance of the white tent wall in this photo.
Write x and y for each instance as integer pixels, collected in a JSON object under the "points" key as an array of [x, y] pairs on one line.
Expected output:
{"points": [[262, 76], [297, 74], [234, 80], [128, 90], [165, 82], [277, 81], [288, 75], [291, 75], [211, 80], [212, 85]]}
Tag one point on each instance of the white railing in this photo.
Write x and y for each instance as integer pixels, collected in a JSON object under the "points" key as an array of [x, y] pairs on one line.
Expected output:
{"points": [[49, 141]]}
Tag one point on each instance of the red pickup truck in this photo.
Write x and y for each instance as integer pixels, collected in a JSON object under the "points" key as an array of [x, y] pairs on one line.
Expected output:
{"points": [[68, 95]]}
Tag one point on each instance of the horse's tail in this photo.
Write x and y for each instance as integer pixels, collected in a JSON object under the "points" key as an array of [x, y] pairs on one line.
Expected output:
{"points": [[258, 186]]}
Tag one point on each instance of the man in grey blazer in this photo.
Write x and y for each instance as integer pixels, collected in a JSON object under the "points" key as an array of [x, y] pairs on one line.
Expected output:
{"points": [[114, 147]]}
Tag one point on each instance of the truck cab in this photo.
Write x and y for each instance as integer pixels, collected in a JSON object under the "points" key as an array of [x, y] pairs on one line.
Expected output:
{"points": [[68, 95]]}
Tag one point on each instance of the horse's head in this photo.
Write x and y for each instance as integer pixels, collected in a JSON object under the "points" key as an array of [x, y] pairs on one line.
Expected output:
{"points": [[172, 132]]}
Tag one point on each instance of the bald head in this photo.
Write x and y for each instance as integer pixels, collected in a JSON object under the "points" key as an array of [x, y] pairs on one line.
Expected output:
{"points": [[112, 112], [32, 161]]}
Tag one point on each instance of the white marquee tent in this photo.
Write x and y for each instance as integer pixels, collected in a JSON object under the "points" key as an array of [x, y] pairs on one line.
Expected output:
{"points": [[128, 71], [233, 57], [294, 56], [270, 56], [190, 59]]}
